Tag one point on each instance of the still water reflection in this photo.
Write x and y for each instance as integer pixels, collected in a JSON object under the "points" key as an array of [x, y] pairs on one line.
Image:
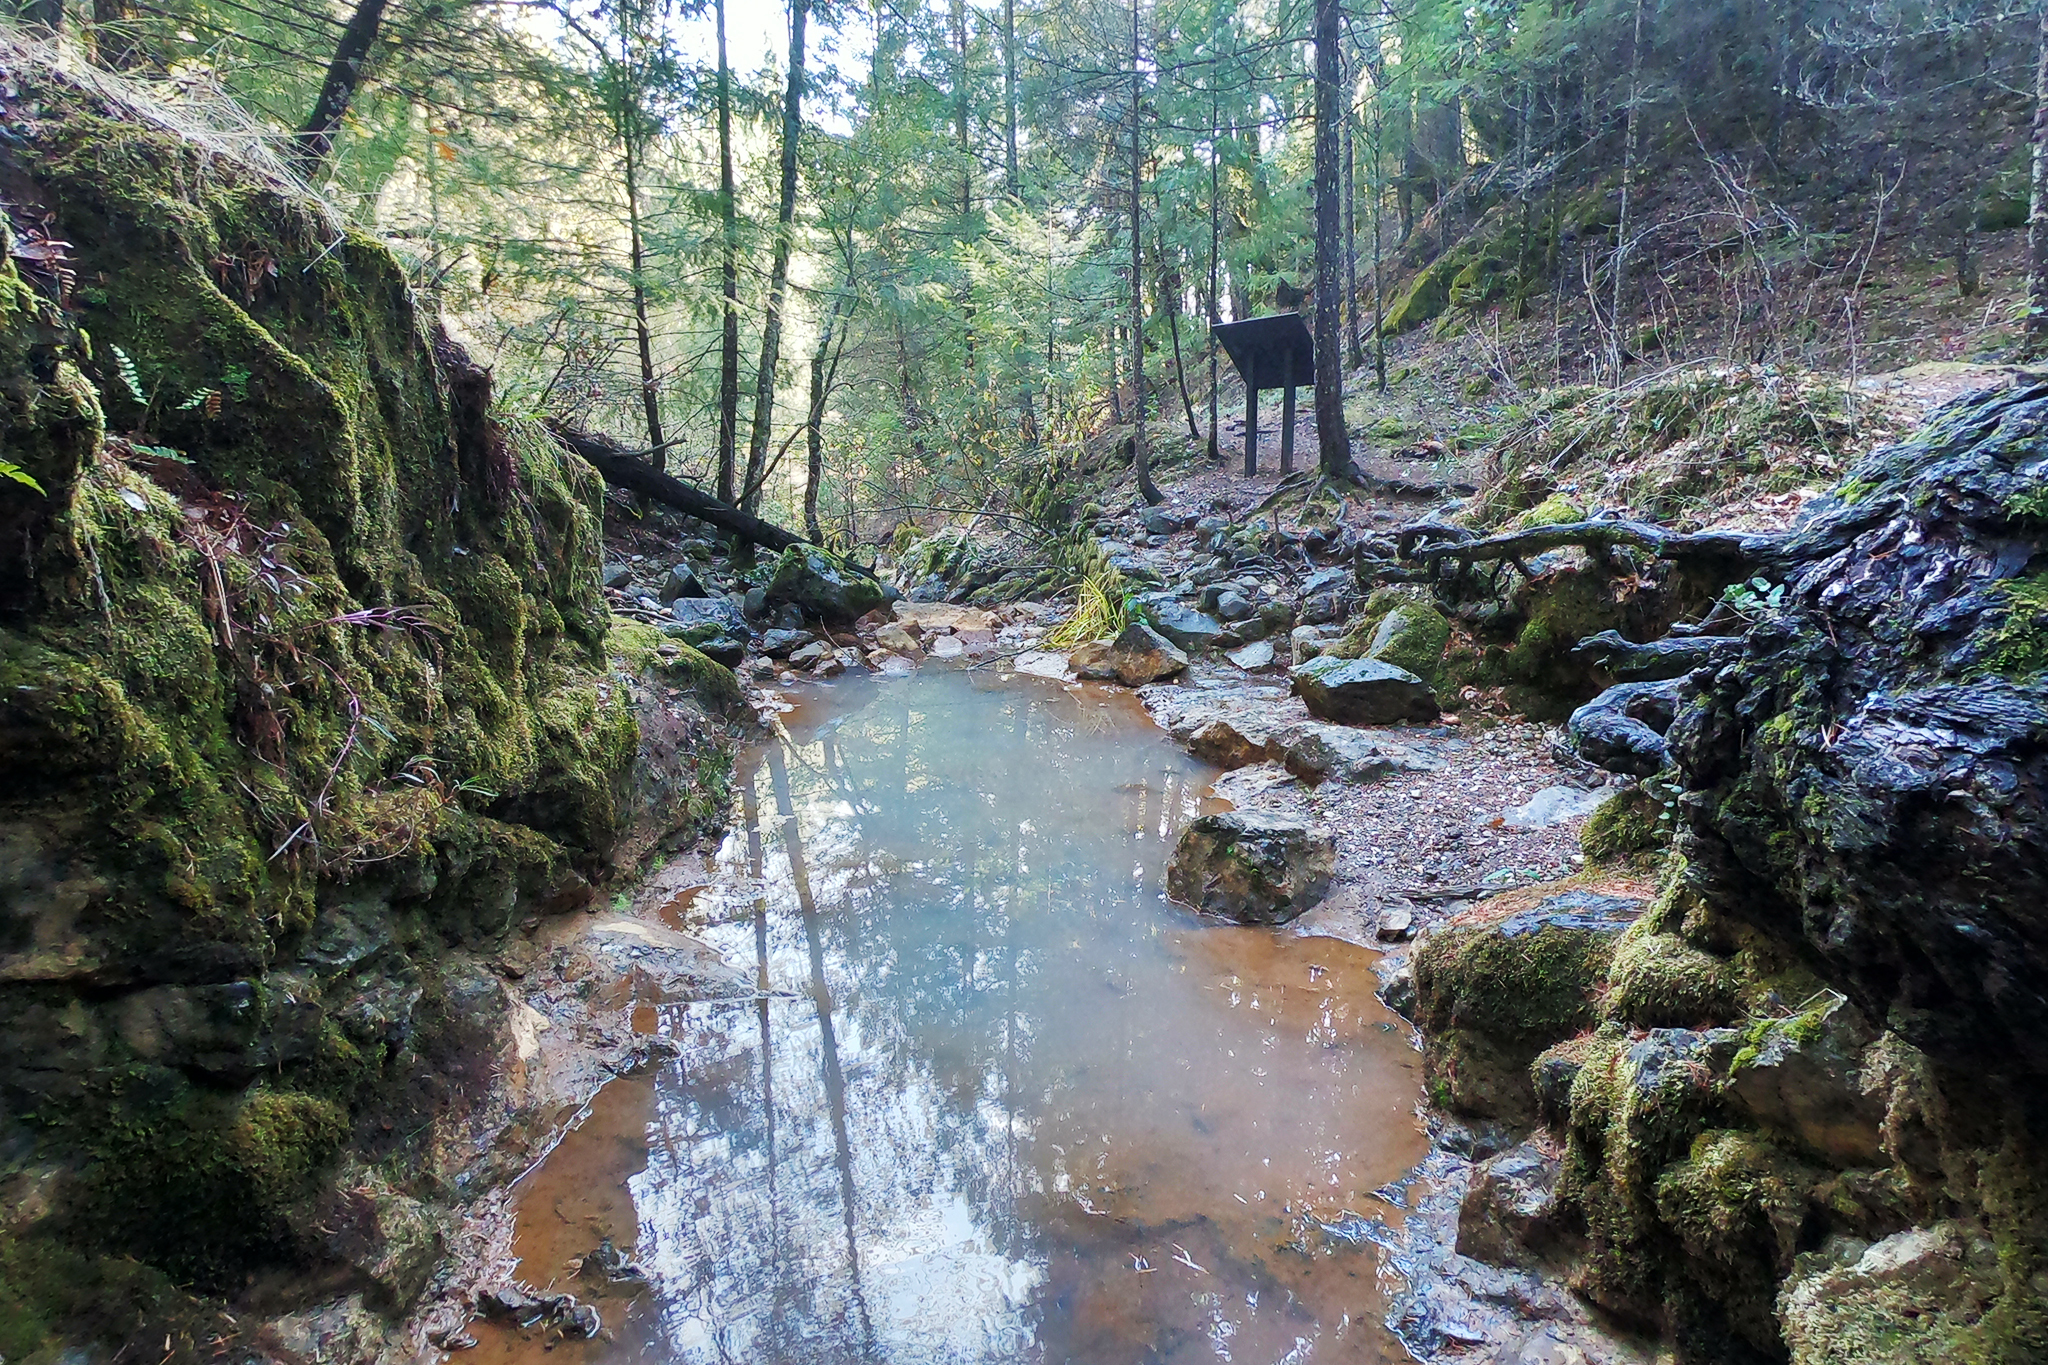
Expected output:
{"points": [[1001, 1100]]}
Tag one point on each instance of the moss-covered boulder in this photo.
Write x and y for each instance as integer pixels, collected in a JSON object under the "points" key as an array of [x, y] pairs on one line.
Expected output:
{"points": [[824, 585], [1493, 992], [1658, 980]]}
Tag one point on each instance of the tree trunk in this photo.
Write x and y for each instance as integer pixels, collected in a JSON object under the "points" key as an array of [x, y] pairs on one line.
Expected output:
{"points": [[316, 140], [1011, 180], [1355, 335], [1169, 298], [778, 271], [625, 469], [650, 394], [1141, 458], [1617, 350], [2036, 340], [729, 279], [1215, 249], [1333, 441]]}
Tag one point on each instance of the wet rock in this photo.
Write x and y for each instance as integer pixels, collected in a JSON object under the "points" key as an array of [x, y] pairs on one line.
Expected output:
{"points": [[1254, 656], [937, 616], [724, 649], [808, 656], [681, 582], [1622, 729], [755, 604], [1397, 924], [1320, 753], [1320, 609], [1492, 993], [394, 1242], [1553, 806], [787, 617], [1362, 692], [1137, 656], [1913, 1296], [778, 644], [616, 575], [510, 1303], [1252, 867], [897, 640], [606, 1268], [1223, 744], [1191, 630], [823, 585], [1397, 985], [951, 647], [1509, 1214], [710, 611], [1234, 606], [1805, 1078]]}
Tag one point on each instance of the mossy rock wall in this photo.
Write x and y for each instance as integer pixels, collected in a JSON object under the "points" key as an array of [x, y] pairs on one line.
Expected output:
{"points": [[303, 685]]}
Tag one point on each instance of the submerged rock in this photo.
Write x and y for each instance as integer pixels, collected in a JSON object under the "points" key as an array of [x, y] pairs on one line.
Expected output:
{"points": [[1362, 691], [1252, 867]]}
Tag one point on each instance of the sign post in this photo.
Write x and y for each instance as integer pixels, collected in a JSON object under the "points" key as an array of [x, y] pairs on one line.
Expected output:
{"points": [[1274, 352]]}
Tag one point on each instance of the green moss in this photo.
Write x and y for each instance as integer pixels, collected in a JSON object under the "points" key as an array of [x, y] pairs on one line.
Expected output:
{"points": [[1426, 297], [1630, 826], [1555, 510], [1738, 1205], [198, 1183], [1532, 987], [1659, 980], [2018, 644]]}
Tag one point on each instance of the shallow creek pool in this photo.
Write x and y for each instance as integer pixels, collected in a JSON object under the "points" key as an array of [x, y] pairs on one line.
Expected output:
{"points": [[1000, 1100]]}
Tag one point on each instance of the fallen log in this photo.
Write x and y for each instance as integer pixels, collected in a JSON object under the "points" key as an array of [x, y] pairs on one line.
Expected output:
{"points": [[1429, 543], [625, 469]]}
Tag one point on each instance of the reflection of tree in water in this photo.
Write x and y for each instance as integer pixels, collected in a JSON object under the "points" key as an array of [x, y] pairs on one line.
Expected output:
{"points": [[989, 1019]]}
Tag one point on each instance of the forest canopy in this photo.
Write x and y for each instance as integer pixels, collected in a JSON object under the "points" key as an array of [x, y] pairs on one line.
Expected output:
{"points": [[904, 267]]}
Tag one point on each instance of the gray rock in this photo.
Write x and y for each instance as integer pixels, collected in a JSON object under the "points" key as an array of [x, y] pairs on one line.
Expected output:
{"points": [[1362, 692], [1232, 605], [1321, 609], [724, 649], [1304, 643], [681, 582], [756, 604], [1554, 806], [616, 575], [777, 644], [1251, 866], [1254, 656], [1337, 581], [1160, 522], [1319, 753], [1192, 631], [718, 611], [807, 655], [1509, 1214]]}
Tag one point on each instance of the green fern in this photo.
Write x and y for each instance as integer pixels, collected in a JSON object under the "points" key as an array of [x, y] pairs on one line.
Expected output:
{"points": [[130, 375], [16, 474]]}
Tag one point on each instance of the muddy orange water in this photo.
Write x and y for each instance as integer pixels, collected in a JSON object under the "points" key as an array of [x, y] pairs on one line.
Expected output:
{"points": [[1002, 1100]]}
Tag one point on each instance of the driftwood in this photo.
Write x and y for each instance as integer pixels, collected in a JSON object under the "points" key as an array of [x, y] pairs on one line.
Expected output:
{"points": [[625, 469]]}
